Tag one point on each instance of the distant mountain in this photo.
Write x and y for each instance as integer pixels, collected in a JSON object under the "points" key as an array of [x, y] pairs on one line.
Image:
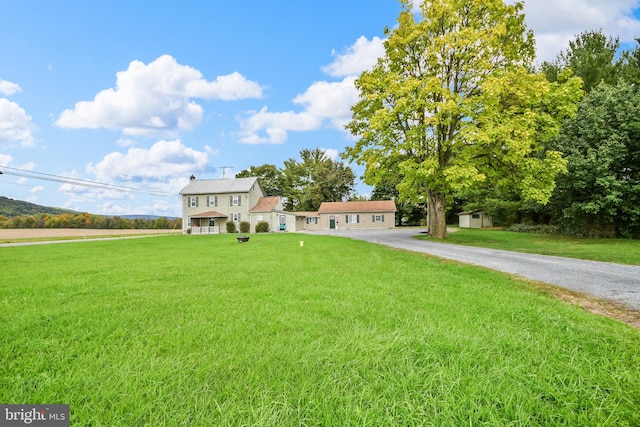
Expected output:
{"points": [[147, 217], [11, 208]]}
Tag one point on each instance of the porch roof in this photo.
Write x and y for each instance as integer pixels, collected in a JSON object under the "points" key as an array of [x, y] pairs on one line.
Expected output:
{"points": [[209, 214]]}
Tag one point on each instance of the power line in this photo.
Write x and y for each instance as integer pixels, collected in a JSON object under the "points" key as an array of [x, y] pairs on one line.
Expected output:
{"points": [[77, 181]]}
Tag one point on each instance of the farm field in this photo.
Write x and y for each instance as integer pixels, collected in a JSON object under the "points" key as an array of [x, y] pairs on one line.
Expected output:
{"points": [[25, 234], [201, 331]]}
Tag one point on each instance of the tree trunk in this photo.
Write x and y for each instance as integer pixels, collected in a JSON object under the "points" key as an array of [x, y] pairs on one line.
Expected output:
{"points": [[436, 219]]}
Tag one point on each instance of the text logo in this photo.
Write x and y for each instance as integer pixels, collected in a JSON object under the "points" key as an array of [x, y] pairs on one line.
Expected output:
{"points": [[34, 415]]}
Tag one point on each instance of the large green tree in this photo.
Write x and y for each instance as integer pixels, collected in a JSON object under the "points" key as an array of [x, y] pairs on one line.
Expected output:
{"points": [[314, 179], [600, 193], [590, 56], [271, 178], [306, 182], [630, 64], [452, 102]]}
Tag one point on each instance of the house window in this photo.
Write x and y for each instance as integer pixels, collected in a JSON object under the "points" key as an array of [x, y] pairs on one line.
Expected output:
{"points": [[475, 216], [235, 200], [235, 217], [193, 202], [212, 222], [189, 222], [377, 218], [312, 220], [260, 218], [353, 219], [212, 200]]}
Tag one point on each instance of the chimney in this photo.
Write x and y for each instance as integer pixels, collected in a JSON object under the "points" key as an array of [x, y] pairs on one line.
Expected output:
{"points": [[192, 178]]}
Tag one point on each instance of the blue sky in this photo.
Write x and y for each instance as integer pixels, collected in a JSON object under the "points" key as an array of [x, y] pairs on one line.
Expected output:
{"points": [[142, 94]]}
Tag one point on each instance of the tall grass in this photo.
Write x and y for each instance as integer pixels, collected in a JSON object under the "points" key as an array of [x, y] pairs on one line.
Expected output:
{"points": [[201, 331]]}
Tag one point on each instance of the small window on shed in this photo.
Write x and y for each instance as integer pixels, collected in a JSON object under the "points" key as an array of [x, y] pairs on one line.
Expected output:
{"points": [[475, 216]]}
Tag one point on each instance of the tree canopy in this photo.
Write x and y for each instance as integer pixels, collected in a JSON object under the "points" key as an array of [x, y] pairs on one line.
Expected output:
{"points": [[452, 104], [600, 193], [590, 56], [271, 178], [307, 182]]}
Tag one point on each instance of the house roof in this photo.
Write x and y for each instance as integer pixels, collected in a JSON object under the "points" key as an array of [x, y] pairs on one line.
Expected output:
{"points": [[219, 186], [209, 214], [266, 204], [470, 212], [362, 206]]}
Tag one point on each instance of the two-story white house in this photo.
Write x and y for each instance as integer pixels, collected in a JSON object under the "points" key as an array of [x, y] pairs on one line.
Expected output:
{"points": [[208, 204]]}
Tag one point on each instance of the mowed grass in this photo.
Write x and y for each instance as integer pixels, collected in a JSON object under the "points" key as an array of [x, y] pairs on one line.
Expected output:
{"points": [[203, 331], [622, 251]]}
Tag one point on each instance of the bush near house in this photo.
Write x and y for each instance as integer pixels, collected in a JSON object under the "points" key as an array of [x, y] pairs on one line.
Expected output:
{"points": [[231, 227], [245, 227], [262, 227]]}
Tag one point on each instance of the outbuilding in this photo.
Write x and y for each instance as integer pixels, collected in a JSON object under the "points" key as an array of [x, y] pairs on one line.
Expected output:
{"points": [[474, 219], [370, 214]]}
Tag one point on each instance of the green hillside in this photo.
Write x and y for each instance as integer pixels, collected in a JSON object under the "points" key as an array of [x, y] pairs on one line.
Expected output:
{"points": [[11, 208]]}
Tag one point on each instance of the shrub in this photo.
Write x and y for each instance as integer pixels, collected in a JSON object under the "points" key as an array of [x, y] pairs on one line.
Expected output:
{"points": [[262, 227], [534, 228], [245, 227], [231, 227]]}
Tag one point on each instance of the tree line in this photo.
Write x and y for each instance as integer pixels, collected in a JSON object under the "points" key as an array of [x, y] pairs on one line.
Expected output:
{"points": [[457, 116], [305, 183], [597, 194], [86, 221]]}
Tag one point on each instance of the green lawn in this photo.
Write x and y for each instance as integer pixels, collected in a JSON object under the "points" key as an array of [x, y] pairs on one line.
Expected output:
{"points": [[203, 331], [622, 251]]}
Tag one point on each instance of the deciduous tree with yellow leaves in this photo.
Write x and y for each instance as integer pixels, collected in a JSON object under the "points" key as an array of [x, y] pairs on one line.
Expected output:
{"points": [[453, 104]]}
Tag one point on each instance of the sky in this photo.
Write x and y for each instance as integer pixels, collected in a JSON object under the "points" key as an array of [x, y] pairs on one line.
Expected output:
{"points": [[108, 107]]}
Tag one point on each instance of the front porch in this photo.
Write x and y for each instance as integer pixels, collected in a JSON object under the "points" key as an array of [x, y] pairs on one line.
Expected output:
{"points": [[206, 223], [205, 230]]}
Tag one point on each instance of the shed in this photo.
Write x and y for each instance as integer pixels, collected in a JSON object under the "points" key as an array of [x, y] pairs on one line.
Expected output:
{"points": [[474, 219]]}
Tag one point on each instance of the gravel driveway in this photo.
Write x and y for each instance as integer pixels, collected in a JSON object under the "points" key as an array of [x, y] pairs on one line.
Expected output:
{"points": [[616, 282]]}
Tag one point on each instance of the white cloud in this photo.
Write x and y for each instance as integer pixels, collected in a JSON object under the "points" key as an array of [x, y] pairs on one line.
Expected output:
{"points": [[15, 124], [331, 153], [5, 159], [126, 142], [211, 151], [29, 166], [276, 125], [362, 55], [157, 207], [323, 103], [37, 189], [156, 99], [9, 88], [161, 163], [164, 168], [329, 103], [555, 25]]}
